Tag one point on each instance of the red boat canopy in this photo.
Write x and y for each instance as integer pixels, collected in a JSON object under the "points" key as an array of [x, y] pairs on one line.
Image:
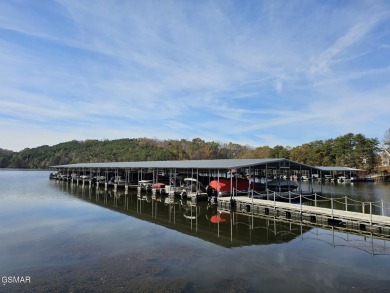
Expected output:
{"points": [[220, 218], [223, 184]]}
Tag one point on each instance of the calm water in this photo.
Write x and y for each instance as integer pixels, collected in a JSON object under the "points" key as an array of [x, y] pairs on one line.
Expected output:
{"points": [[72, 239]]}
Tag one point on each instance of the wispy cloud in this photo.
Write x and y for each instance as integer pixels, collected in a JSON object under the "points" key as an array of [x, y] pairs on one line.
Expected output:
{"points": [[350, 38], [252, 72]]}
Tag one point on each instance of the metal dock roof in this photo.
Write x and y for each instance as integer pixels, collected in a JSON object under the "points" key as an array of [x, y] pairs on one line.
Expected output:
{"points": [[196, 164], [337, 168]]}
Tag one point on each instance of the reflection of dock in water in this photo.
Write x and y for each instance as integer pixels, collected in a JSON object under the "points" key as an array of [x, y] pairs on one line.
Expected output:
{"points": [[224, 227], [312, 213]]}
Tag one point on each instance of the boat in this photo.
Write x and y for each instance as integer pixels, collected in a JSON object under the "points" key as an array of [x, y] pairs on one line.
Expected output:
{"points": [[281, 185], [363, 179], [84, 177], [328, 177], [343, 179], [54, 175], [145, 184], [193, 188], [355, 179], [159, 187], [117, 181], [99, 179], [224, 186], [193, 185]]}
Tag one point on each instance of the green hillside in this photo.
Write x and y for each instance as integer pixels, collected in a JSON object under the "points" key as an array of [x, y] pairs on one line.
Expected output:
{"points": [[352, 150]]}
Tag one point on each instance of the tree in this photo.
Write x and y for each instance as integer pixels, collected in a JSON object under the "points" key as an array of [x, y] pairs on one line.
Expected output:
{"points": [[231, 151], [279, 152], [386, 140], [5, 158], [262, 152], [348, 150]]}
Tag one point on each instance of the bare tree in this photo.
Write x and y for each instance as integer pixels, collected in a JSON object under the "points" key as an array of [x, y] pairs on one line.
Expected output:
{"points": [[386, 139]]}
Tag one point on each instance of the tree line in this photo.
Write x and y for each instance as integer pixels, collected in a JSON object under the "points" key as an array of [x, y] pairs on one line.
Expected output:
{"points": [[351, 150]]}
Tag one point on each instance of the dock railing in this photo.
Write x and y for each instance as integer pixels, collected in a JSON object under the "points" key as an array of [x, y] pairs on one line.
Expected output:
{"points": [[381, 207]]}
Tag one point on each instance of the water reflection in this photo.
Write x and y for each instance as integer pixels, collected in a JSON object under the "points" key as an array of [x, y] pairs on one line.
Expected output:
{"points": [[225, 228], [196, 219], [72, 239], [359, 191]]}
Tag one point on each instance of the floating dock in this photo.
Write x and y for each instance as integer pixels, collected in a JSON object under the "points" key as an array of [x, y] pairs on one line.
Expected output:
{"points": [[126, 173], [308, 213]]}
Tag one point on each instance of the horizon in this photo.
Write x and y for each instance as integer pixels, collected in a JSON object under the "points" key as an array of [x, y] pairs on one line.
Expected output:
{"points": [[256, 73], [189, 140]]}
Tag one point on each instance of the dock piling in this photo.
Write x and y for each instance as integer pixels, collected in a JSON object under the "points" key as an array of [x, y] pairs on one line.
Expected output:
{"points": [[331, 204], [370, 213], [382, 208]]}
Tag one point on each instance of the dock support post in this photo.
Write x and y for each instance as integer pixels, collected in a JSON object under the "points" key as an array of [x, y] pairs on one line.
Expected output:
{"points": [[315, 199], [346, 203], [252, 210], [370, 213], [331, 204], [274, 199], [300, 201], [382, 208], [363, 208]]}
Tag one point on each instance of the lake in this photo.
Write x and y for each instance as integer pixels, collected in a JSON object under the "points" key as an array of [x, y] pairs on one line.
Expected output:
{"points": [[69, 238]]}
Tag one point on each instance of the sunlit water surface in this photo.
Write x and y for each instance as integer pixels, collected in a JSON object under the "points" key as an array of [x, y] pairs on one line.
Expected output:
{"points": [[74, 239]]}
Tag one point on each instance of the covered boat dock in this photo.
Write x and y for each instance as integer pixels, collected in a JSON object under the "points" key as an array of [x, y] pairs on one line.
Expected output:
{"points": [[264, 171], [340, 174], [171, 174]]}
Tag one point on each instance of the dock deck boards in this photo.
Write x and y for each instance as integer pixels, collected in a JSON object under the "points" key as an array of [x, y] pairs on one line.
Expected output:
{"points": [[362, 218]]}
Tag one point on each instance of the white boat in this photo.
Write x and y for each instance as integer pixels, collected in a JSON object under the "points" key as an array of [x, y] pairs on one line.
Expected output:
{"points": [[343, 179], [84, 177], [328, 177], [118, 181], [99, 179], [54, 175], [145, 184], [192, 188], [191, 184]]}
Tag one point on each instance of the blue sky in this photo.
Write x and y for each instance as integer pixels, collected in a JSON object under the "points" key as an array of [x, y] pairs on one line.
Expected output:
{"points": [[250, 72]]}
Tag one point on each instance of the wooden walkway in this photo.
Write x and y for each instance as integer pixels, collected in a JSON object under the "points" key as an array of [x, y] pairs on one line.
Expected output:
{"points": [[305, 212]]}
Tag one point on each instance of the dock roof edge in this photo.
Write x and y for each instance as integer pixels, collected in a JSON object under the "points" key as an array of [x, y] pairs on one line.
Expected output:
{"points": [[337, 168], [188, 164]]}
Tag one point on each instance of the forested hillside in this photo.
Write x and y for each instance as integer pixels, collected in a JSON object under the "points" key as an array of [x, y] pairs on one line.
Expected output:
{"points": [[352, 150]]}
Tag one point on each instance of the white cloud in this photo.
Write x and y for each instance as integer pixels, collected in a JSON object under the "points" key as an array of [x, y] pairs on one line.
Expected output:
{"points": [[181, 69], [354, 35]]}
